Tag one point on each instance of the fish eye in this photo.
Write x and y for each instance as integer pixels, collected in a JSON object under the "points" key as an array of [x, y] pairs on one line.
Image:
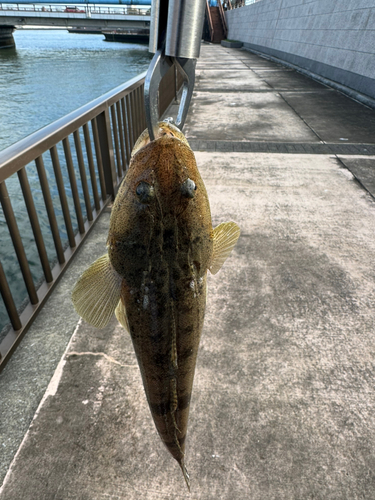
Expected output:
{"points": [[188, 188], [145, 192]]}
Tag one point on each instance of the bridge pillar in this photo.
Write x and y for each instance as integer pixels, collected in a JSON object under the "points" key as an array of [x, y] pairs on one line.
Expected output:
{"points": [[6, 37]]}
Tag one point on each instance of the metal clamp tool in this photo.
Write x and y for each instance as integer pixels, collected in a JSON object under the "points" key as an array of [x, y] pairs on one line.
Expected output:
{"points": [[175, 36]]}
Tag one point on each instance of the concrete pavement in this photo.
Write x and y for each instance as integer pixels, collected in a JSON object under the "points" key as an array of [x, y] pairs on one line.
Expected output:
{"points": [[284, 397]]}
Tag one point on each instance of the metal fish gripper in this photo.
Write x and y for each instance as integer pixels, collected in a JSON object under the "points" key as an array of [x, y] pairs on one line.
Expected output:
{"points": [[175, 36]]}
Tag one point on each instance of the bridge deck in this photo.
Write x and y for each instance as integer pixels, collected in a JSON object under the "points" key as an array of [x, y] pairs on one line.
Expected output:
{"points": [[87, 15], [284, 398]]}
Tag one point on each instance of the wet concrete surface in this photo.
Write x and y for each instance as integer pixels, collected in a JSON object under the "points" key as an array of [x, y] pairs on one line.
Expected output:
{"points": [[293, 109], [284, 399], [284, 79], [339, 119], [264, 117], [234, 78]]}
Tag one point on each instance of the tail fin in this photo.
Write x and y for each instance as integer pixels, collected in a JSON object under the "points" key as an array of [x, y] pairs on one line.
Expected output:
{"points": [[185, 473]]}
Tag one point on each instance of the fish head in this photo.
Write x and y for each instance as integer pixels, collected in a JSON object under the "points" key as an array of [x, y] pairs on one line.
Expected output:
{"points": [[162, 180], [165, 171], [165, 129], [162, 194]]}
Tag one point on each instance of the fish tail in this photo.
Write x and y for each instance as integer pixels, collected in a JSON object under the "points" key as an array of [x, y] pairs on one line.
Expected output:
{"points": [[185, 473]]}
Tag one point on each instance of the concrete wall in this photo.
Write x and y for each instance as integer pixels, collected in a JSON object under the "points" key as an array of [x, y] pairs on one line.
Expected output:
{"points": [[332, 38]]}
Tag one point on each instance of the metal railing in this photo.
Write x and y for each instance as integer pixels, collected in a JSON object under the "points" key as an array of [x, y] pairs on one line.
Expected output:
{"points": [[209, 21], [223, 18], [74, 167]]}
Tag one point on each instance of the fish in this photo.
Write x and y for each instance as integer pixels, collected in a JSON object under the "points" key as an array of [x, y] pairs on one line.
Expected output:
{"points": [[161, 244]]}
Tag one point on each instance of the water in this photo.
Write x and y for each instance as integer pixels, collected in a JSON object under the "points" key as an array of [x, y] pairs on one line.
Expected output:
{"points": [[53, 72], [49, 74]]}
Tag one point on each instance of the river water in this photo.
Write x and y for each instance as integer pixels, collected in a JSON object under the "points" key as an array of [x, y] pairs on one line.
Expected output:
{"points": [[47, 75]]}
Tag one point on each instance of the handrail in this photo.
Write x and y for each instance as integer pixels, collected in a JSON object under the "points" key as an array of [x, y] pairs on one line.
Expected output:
{"points": [[26, 150], [77, 163], [223, 19], [210, 24]]}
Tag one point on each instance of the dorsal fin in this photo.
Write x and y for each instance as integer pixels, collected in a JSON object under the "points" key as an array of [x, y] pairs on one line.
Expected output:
{"points": [[225, 237], [97, 292]]}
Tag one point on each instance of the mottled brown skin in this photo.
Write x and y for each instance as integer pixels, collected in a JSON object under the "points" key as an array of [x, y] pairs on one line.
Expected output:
{"points": [[162, 249]]}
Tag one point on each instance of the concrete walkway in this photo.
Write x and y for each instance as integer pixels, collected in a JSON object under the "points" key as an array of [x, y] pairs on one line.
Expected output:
{"points": [[284, 397]]}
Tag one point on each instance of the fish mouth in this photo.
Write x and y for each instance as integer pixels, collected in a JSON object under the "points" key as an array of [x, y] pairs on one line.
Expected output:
{"points": [[165, 129]]}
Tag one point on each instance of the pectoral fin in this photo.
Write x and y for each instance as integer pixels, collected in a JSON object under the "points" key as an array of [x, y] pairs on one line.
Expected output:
{"points": [[121, 315], [97, 292], [225, 237]]}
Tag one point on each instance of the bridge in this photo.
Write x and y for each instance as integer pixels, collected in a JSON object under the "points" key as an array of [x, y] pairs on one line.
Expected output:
{"points": [[65, 16]]}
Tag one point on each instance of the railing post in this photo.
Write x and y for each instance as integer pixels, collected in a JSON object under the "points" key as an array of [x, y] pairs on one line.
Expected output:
{"points": [[209, 20], [106, 149], [9, 302]]}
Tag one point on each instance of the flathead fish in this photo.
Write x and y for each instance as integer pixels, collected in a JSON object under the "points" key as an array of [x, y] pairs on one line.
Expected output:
{"points": [[160, 245]]}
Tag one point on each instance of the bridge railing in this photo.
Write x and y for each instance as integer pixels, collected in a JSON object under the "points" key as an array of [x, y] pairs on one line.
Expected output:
{"points": [[53, 186], [80, 9]]}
